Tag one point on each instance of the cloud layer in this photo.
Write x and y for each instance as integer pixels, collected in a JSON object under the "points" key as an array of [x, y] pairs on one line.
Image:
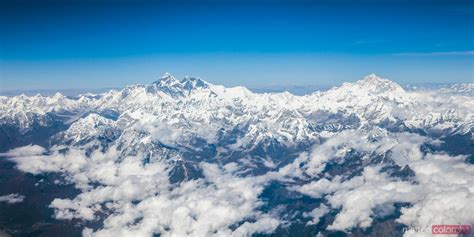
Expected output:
{"points": [[138, 199], [135, 198], [439, 193]]}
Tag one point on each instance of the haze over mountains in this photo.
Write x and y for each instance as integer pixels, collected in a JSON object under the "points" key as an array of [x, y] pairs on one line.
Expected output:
{"points": [[186, 157]]}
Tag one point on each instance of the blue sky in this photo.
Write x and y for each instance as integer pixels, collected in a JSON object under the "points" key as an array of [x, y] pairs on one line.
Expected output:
{"points": [[93, 44]]}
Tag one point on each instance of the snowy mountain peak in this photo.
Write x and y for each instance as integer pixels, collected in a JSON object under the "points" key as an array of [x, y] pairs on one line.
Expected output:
{"points": [[167, 80], [190, 83], [375, 84], [93, 119], [57, 95], [374, 80], [371, 91], [171, 86], [167, 84], [372, 77]]}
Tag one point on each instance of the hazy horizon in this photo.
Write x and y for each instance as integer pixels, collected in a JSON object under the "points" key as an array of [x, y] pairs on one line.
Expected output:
{"points": [[293, 89]]}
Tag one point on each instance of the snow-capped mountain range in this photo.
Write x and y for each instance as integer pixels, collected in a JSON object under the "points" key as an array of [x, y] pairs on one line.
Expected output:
{"points": [[173, 138], [193, 105]]}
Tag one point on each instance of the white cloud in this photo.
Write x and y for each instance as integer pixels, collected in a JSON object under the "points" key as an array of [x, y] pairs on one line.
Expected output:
{"points": [[12, 198], [447, 191], [29, 150], [359, 196], [442, 193], [139, 200], [405, 146], [317, 213]]}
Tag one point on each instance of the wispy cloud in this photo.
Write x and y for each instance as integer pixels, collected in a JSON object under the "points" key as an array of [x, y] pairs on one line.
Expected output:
{"points": [[12, 198], [448, 53]]}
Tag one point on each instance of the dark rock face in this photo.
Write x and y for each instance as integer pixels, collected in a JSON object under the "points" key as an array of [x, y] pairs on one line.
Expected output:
{"points": [[32, 217], [11, 136]]}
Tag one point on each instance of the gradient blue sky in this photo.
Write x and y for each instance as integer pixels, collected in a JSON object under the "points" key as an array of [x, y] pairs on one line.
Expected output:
{"points": [[105, 43]]}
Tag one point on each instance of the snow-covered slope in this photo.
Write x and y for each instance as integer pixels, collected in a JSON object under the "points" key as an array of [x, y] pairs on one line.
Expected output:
{"points": [[192, 116], [195, 109]]}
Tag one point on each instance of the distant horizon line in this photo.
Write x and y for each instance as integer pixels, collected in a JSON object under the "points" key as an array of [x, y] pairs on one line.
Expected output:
{"points": [[294, 89]]}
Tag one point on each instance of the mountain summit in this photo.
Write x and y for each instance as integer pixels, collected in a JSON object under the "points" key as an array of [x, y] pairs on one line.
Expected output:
{"points": [[172, 86], [167, 80], [190, 83], [372, 77], [376, 84]]}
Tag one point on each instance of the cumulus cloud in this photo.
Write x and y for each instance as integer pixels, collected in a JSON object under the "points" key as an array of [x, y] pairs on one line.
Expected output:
{"points": [[404, 147], [12, 198], [317, 213], [447, 193], [132, 197], [29, 150], [138, 199], [440, 192], [358, 197]]}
